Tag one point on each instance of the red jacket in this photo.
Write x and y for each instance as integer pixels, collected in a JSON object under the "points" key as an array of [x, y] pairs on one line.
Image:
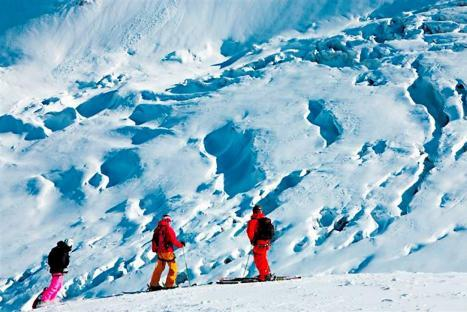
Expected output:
{"points": [[253, 227], [166, 239]]}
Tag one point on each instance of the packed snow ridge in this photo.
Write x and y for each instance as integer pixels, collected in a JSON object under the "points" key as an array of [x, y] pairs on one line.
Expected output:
{"points": [[114, 113]]}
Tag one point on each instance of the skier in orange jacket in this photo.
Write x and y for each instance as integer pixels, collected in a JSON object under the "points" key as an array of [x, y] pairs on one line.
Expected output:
{"points": [[260, 232]]}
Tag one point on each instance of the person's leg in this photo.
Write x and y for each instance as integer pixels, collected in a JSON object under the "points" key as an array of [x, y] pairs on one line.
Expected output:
{"points": [[172, 276], [156, 274], [261, 262], [57, 288], [50, 292], [258, 262], [267, 270]]}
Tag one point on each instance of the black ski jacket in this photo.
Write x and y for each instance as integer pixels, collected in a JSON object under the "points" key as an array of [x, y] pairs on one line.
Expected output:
{"points": [[59, 258]]}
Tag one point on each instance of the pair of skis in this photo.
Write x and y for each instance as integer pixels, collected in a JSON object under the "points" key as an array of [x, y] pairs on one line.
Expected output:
{"points": [[243, 280], [235, 280], [153, 290], [36, 303]]}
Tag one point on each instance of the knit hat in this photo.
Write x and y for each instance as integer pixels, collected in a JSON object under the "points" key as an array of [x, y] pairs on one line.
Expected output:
{"points": [[167, 218]]}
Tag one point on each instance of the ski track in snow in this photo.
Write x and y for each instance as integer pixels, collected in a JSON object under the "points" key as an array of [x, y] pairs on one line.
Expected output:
{"points": [[364, 120]]}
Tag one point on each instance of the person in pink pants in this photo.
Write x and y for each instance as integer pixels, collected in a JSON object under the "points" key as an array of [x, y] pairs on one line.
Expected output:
{"points": [[56, 284], [58, 261]]}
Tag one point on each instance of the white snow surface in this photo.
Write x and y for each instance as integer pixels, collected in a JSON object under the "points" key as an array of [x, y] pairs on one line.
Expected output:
{"points": [[113, 113], [358, 292]]}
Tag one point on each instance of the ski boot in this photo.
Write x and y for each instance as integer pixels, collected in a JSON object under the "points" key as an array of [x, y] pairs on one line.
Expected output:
{"points": [[267, 278], [155, 288], [270, 277]]}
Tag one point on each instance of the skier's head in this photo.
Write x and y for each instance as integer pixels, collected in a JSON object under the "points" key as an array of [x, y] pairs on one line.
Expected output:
{"points": [[167, 218], [257, 209], [65, 244], [68, 242]]}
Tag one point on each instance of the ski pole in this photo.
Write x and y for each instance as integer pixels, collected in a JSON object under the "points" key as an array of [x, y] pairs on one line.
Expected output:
{"points": [[146, 243], [247, 262], [186, 267]]}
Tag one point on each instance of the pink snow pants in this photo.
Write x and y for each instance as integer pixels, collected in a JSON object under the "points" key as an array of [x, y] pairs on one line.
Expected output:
{"points": [[55, 285]]}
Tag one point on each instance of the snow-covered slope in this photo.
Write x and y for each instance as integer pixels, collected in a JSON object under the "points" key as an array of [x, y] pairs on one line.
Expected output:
{"points": [[113, 113], [362, 292], [87, 38]]}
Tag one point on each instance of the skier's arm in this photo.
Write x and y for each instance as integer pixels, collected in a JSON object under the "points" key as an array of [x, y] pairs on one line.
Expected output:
{"points": [[251, 229], [65, 260], [50, 259], [153, 242], [173, 238]]}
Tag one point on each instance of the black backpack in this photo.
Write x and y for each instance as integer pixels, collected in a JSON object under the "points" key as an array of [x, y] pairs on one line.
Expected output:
{"points": [[265, 230]]}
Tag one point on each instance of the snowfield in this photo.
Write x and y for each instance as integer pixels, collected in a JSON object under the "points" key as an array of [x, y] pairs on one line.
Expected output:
{"points": [[116, 112], [358, 292]]}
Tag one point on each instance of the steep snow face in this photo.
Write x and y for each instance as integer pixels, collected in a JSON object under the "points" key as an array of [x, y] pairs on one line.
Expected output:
{"points": [[62, 41], [88, 27], [16, 13], [362, 119]]}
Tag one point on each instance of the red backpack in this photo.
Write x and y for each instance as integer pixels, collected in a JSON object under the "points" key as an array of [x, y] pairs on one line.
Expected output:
{"points": [[160, 237]]}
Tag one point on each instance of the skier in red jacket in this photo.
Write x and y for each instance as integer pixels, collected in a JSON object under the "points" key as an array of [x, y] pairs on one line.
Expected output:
{"points": [[260, 232], [163, 242]]}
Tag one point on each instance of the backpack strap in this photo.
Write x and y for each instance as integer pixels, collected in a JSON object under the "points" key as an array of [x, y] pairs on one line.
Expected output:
{"points": [[155, 236]]}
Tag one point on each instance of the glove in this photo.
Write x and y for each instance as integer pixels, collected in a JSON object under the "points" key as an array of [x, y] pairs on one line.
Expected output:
{"points": [[183, 243]]}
